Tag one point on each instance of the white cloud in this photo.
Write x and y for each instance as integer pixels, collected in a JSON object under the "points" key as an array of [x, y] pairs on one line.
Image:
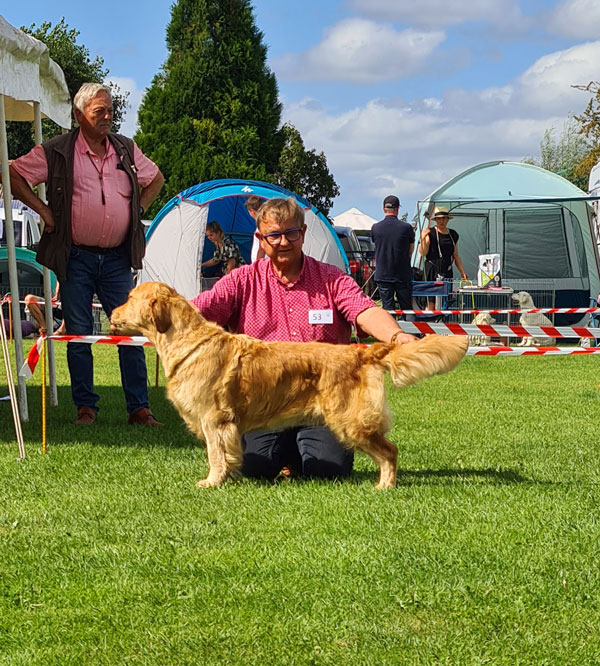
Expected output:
{"points": [[547, 84], [361, 51], [440, 13], [411, 148], [129, 125], [575, 18]]}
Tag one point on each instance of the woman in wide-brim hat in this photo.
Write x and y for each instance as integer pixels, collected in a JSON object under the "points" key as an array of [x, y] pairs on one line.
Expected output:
{"points": [[439, 246]]}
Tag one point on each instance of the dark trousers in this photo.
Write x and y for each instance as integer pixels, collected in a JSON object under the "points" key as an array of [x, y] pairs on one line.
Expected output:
{"points": [[109, 276], [390, 292], [313, 452]]}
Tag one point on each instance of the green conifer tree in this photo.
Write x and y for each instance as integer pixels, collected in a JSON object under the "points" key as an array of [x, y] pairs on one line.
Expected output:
{"points": [[213, 110]]}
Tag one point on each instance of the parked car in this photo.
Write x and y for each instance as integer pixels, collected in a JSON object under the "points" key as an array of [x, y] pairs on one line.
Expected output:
{"points": [[359, 267], [367, 246], [368, 249]]}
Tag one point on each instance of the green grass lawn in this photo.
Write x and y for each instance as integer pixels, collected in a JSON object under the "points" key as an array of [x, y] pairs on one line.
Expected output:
{"points": [[486, 553]]}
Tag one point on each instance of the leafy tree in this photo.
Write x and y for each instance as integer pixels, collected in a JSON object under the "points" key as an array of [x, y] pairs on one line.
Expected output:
{"points": [[590, 127], [305, 172], [74, 60], [564, 154], [213, 110]]}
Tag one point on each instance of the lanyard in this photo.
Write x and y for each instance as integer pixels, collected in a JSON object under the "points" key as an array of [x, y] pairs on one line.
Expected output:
{"points": [[100, 175], [437, 235]]}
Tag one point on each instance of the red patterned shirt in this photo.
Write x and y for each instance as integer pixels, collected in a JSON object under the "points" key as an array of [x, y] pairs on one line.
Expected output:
{"points": [[100, 210], [254, 301]]}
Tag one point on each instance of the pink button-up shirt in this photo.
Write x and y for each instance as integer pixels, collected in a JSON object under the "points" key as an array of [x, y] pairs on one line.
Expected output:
{"points": [[93, 222], [254, 301]]}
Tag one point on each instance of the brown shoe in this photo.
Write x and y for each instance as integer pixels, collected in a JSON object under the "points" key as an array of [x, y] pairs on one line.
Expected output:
{"points": [[85, 416], [143, 417]]}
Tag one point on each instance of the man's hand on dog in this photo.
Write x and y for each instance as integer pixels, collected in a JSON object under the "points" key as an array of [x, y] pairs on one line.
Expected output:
{"points": [[403, 338]]}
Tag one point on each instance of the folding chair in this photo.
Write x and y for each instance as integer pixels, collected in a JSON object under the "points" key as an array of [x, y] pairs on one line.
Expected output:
{"points": [[594, 322], [440, 290]]}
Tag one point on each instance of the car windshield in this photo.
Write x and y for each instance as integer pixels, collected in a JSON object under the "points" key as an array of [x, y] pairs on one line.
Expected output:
{"points": [[18, 226]]}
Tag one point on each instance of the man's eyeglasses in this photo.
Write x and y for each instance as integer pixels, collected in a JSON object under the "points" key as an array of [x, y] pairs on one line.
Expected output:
{"points": [[291, 235]]}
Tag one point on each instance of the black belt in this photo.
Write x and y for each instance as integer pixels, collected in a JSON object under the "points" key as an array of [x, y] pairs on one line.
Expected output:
{"points": [[95, 249]]}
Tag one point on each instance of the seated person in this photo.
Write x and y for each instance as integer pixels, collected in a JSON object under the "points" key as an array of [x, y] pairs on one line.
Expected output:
{"points": [[35, 307], [292, 297], [27, 328], [227, 253]]}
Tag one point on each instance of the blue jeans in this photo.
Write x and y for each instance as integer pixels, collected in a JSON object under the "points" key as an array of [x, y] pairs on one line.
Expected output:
{"points": [[109, 276], [311, 451], [392, 291]]}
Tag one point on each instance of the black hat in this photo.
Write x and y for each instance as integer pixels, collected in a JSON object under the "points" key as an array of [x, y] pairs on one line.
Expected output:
{"points": [[391, 202]]}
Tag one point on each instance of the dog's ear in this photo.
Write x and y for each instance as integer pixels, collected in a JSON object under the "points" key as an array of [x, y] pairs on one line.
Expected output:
{"points": [[161, 314]]}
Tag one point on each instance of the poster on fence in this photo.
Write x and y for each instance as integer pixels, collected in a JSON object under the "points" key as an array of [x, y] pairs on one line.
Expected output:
{"points": [[489, 271]]}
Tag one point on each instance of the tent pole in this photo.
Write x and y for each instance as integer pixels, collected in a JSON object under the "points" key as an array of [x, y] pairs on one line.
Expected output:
{"points": [[12, 263], [47, 282]]}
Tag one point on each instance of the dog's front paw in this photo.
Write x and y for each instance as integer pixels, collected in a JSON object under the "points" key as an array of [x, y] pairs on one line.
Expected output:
{"points": [[209, 483]]}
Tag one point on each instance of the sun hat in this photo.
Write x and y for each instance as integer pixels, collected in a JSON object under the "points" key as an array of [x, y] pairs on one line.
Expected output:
{"points": [[441, 211]]}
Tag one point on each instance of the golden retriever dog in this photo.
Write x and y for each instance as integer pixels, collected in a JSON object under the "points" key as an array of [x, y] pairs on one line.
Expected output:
{"points": [[481, 319], [224, 385], [525, 302]]}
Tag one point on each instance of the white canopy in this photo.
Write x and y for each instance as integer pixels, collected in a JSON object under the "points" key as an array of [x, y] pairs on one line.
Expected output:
{"points": [[32, 85], [27, 75], [594, 181], [355, 219]]}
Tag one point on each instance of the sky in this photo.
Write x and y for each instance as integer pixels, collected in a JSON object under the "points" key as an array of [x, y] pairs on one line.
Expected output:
{"points": [[400, 95]]}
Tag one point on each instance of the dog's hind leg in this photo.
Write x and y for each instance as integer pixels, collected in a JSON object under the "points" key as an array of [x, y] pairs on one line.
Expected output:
{"points": [[385, 454], [224, 451]]}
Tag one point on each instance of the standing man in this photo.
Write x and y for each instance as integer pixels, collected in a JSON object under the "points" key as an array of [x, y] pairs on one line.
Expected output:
{"points": [[291, 297], [99, 185], [252, 205], [394, 243]]}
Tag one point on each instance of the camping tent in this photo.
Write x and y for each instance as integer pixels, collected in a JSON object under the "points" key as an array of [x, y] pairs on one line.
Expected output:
{"points": [[32, 86], [175, 245], [355, 219], [539, 223]]}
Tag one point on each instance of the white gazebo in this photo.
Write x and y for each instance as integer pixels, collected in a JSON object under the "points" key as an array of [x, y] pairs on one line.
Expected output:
{"points": [[32, 87], [355, 219]]}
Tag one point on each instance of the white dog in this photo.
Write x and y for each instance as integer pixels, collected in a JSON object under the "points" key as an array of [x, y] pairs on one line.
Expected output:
{"points": [[525, 302], [481, 319]]}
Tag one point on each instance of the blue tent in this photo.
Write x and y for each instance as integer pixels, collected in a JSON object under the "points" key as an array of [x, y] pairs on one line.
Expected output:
{"points": [[176, 243]]}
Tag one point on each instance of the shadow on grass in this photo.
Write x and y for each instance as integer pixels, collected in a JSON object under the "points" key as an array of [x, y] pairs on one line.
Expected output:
{"points": [[427, 477], [111, 428]]}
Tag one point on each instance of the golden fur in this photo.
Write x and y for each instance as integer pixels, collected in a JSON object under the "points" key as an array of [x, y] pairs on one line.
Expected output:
{"points": [[225, 385]]}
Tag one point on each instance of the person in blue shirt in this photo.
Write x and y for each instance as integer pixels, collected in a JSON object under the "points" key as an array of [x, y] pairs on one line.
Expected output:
{"points": [[394, 243]]}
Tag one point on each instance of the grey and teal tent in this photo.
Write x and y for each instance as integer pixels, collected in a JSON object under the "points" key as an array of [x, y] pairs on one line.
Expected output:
{"points": [[176, 244], [539, 223]]}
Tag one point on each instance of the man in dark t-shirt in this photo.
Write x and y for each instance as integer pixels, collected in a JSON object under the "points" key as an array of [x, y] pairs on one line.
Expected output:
{"points": [[394, 243]]}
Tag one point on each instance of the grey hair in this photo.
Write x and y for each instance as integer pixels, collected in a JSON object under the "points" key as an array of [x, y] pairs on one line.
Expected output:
{"points": [[86, 94]]}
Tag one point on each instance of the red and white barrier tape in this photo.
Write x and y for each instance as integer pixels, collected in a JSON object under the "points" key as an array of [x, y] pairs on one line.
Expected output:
{"points": [[33, 357], [56, 304], [514, 312], [452, 328], [122, 340], [28, 367], [532, 351]]}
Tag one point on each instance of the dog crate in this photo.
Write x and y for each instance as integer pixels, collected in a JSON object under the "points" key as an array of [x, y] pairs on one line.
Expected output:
{"points": [[542, 292]]}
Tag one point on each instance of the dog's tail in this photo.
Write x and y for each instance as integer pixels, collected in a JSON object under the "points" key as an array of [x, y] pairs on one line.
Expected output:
{"points": [[411, 362]]}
